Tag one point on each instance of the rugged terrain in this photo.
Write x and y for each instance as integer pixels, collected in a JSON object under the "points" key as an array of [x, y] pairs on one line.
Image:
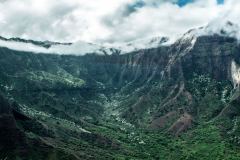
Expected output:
{"points": [[178, 101]]}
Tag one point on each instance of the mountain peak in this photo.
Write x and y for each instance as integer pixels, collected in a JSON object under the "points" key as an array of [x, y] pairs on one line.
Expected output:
{"points": [[221, 28]]}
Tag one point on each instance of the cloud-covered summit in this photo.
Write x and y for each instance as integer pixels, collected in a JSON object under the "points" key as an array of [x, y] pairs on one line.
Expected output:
{"points": [[105, 21]]}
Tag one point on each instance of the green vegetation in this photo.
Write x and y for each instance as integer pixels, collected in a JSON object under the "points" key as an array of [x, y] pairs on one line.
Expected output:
{"points": [[203, 142]]}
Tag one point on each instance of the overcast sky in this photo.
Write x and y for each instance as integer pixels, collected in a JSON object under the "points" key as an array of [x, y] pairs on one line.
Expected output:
{"points": [[109, 20]]}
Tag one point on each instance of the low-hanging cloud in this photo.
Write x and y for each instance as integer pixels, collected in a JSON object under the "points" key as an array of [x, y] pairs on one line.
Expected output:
{"points": [[108, 21]]}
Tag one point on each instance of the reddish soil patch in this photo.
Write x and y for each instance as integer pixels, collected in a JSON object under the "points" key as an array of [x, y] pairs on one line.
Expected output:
{"points": [[161, 122], [182, 124]]}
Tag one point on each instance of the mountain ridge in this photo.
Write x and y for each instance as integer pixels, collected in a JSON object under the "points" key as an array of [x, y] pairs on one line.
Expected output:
{"points": [[225, 28]]}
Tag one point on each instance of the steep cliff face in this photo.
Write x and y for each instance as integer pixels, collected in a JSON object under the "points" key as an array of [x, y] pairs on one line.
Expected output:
{"points": [[213, 56]]}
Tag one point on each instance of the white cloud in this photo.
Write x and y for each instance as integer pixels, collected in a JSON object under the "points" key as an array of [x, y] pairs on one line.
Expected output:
{"points": [[107, 20], [165, 20]]}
